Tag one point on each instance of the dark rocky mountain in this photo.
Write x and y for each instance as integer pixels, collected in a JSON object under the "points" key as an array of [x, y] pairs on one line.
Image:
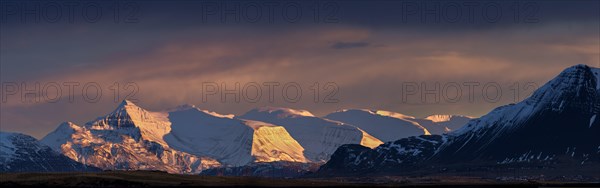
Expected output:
{"points": [[406, 152], [557, 125], [558, 120]]}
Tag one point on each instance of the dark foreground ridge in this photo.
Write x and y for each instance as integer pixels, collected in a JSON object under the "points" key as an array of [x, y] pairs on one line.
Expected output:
{"points": [[161, 179]]}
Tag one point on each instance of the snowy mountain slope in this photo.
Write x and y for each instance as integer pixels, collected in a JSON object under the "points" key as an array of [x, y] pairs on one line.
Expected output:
{"points": [[273, 143], [23, 153], [231, 140], [200, 133], [318, 136], [555, 125], [381, 124], [112, 150]]}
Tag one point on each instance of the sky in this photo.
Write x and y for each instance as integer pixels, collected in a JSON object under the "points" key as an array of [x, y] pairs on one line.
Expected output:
{"points": [[385, 55]]}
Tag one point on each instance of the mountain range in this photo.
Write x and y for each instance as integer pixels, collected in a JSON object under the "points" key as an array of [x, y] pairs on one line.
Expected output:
{"points": [[189, 140], [556, 125]]}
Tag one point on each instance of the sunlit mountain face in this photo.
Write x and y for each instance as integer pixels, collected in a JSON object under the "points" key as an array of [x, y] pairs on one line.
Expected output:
{"points": [[303, 93]]}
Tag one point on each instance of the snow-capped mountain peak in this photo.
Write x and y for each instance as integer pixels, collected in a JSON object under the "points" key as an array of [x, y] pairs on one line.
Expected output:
{"points": [[563, 109], [576, 82], [126, 115], [133, 120]]}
